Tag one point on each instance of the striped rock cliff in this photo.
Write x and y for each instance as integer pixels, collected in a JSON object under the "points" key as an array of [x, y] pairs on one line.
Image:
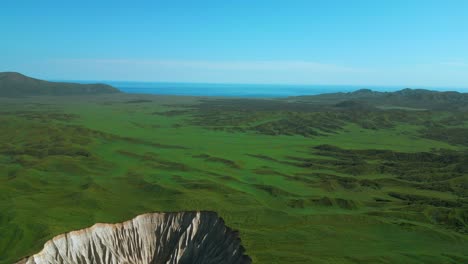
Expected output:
{"points": [[184, 237]]}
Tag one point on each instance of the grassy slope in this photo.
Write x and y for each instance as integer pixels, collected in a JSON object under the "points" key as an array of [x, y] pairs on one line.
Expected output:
{"points": [[14, 84], [115, 160]]}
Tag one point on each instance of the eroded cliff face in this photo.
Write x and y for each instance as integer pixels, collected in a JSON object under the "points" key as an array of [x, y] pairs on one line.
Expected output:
{"points": [[185, 237]]}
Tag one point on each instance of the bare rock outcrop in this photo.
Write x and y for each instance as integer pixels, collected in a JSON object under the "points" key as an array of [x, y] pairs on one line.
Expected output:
{"points": [[169, 238]]}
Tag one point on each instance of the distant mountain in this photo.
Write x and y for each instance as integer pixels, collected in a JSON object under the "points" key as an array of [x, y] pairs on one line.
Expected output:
{"points": [[15, 84], [412, 98]]}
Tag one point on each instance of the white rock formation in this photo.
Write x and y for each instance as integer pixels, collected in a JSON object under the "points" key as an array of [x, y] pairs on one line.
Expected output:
{"points": [[169, 238]]}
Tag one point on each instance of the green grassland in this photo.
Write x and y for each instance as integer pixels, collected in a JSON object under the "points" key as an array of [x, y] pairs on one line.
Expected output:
{"points": [[302, 182]]}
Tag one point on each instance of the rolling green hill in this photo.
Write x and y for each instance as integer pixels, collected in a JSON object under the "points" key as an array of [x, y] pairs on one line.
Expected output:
{"points": [[14, 84], [411, 98]]}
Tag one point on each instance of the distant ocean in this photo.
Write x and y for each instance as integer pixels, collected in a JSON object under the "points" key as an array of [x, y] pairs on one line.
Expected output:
{"points": [[242, 90]]}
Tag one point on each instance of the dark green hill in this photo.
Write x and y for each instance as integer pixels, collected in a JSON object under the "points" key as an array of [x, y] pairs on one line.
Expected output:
{"points": [[411, 98], [354, 105], [15, 84]]}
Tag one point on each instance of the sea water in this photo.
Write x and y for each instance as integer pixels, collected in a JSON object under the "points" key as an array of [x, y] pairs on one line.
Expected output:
{"points": [[243, 90], [236, 90]]}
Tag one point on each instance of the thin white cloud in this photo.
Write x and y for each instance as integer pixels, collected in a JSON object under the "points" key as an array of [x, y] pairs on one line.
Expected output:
{"points": [[454, 64]]}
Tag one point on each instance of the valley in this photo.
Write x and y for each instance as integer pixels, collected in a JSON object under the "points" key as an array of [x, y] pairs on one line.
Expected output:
{"points": [[303, 179]]}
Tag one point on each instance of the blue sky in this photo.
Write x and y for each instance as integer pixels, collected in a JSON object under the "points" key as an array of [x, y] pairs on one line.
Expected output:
{"points": [[411, 43]]}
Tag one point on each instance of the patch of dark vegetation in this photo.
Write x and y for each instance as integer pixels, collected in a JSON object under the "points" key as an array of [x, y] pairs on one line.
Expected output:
{"points": [[263, 157], [419, 199], [354, 165], [77, 134], [43, 150], [405, 224], [294, 117], [138, 182], [149, 143], [170, 165], [355, 105], [40, 141], [172, 113], [456, 219], [90, 185], [456, 259], [346, 204], [254, 105], [138, 101], [198, 186], [455, 119], [204, 185], [332, 182], [451, 135], [79, 199], [89, 133], [286, 126], [274, 191], [421, 167], [155, 161], [142, 157], [42, 116], [49, 146], [226, 162], [269, 171], [442, 171], [323, 202], [305, 179], [329, 114], [382, 200], [24, 187]]}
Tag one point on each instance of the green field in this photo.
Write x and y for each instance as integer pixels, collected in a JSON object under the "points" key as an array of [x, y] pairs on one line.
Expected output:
{"points": [[302, 182]]}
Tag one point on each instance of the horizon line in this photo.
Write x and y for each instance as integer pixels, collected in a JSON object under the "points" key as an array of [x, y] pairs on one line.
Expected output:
{"points": [[363, 86]]}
